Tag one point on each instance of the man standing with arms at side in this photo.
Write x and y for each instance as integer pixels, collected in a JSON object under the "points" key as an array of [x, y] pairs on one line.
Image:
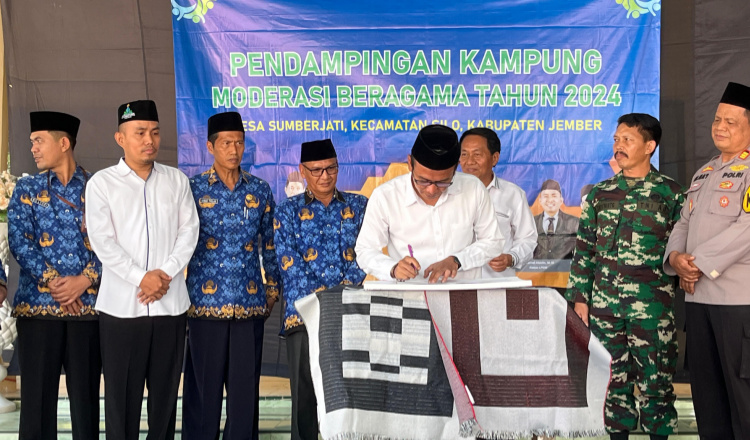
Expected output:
{"points": [[443, 217], [710, 251], [144, 227], [228, 296], [315, 236], [619, 287], [57, 325], [480, 151]]}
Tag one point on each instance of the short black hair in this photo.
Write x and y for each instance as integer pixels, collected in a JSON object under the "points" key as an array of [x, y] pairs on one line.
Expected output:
{"points": [[493, 142], [647, 125], [57, 135]]}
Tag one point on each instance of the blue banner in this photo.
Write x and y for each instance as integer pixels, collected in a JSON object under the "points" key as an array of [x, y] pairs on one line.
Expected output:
{"points": [[550, 77]]}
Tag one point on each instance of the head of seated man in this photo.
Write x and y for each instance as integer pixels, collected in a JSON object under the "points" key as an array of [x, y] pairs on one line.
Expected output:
{"points": [[433, 162]]}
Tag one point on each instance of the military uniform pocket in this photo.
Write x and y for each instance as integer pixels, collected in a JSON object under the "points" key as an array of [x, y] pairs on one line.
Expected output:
{"points": [[607, 221], [745, 364]]}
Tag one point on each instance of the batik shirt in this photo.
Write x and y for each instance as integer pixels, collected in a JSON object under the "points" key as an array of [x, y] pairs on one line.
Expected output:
{"points": [[48, 239], [224, 276], [315, 246], [623, 231]]}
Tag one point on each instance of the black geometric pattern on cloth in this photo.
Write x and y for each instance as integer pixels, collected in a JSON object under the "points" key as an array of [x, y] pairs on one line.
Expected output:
{"points": [[357, 331]]}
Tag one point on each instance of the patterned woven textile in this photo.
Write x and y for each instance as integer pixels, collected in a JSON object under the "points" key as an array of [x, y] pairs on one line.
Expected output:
{"points": [[442, 365]]}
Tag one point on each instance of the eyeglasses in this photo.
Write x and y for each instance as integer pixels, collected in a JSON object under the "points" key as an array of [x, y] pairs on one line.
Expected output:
{"points": [[317, 172], [426, 183]]}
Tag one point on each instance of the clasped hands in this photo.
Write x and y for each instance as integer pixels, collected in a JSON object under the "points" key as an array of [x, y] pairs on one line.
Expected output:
{"points": [[408, 268], [686, 269], [154, 286], [67, 291]]}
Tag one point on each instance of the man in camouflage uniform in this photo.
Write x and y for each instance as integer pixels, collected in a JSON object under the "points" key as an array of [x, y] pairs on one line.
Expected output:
{"points": [[619, 287]]}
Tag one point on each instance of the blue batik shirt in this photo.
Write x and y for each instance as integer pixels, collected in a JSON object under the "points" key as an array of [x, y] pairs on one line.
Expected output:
{"points": [[315, 246], [224, 276], [47, 237]]}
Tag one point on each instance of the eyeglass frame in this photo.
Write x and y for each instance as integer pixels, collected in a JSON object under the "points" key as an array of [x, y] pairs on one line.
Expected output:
{"points": [[424, 183], [334, 168]]}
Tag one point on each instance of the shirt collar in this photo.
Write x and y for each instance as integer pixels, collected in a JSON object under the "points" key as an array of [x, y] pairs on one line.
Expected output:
{"points": [[309, 197], [212, 178], [123, 169], [77, 174], [554, 216]]}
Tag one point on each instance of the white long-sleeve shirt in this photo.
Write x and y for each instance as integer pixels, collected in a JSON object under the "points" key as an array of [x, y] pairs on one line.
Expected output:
{"points": [[462, 223], [135, 226], [516, 224]]}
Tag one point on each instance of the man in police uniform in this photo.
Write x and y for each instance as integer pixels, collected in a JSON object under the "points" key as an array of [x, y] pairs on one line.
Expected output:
{"points": [[710, 250], [228, 297], [618, 285], [54, 303], [315, 236]]}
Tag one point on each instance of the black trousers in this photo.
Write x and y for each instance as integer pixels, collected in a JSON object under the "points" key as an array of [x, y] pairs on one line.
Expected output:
{"points": [[220, 354], [718, 346], [44, 347], [136, 351], [304, 404]]}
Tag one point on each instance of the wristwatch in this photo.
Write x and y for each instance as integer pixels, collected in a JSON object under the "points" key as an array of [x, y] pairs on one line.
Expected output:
{"points": [[458, 263]]}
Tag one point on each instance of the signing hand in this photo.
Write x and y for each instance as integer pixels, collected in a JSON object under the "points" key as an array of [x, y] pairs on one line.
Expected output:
{"points": [[501, 262], [582, 310], [66, 290], [444, 269], [154, 286], [406, 269]]}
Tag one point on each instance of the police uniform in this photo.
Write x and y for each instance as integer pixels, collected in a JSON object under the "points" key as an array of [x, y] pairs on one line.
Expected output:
{"points": [[617, 272], [47, 237], [315, 250], [229, 299], [715, 229]]}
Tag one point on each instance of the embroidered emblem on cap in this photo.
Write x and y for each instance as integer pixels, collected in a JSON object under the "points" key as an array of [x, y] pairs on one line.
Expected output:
{"points": [[708, 168], [127, 114], [726, 184], [738, 167], [724, 201]]}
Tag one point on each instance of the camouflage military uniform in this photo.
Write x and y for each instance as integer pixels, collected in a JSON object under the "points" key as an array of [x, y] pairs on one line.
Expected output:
{"points": [[617, 270]]}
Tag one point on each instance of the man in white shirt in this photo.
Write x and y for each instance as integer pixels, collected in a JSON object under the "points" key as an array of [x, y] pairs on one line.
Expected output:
{"points": [[480, 151], [434, 221], [142, 220]]}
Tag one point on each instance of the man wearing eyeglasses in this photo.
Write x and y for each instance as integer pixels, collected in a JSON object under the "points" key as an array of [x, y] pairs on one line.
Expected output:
{"points": [[315, 233], [437, 224]]}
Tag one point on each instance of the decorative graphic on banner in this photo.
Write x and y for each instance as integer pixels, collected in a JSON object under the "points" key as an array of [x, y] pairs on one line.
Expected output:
{"points": [[551, 78]]}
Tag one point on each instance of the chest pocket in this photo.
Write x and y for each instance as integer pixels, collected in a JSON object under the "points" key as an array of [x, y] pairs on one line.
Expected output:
{"points": [[503, 220], [726, 200], [607, 221]]}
